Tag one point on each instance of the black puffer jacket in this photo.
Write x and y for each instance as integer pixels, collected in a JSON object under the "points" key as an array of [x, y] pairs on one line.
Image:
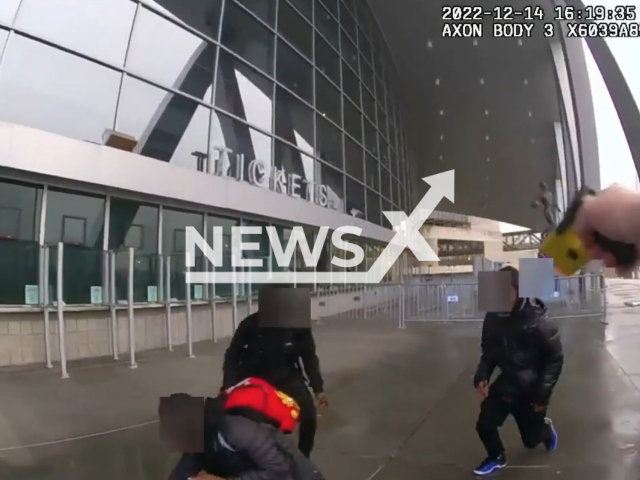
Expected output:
{"points": [[239, 448], [525, 345]]}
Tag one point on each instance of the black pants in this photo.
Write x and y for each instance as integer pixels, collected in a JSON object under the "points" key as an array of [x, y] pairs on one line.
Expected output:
{"points": [[298, 390], [495, 410]]}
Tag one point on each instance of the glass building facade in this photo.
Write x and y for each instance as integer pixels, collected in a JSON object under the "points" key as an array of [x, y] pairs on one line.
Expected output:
{"points": [[306, 86]]}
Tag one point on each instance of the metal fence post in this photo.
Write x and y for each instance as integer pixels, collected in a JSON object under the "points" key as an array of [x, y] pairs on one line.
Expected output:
{"points": [[167, 286], [249, 292], [45, 305], [214, 330], [113, 299], [234, 294], [189, 317], [132, 326], [60, 307]]}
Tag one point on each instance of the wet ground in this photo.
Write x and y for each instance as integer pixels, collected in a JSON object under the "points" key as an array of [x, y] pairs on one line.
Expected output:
{"points": [[402, 407]]}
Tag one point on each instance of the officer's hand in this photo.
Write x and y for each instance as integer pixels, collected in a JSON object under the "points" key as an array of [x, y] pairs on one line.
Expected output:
{"points": [[614, 213], [483, 390], [202, 475], [323, 401]]}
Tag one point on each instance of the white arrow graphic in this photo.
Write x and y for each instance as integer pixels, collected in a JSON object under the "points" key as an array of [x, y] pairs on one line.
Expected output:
{"points": [[408, 228]]}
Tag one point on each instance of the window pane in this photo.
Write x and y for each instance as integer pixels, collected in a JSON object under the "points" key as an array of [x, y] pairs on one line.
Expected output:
{"points": [[295, 29], [167, 126], [300, 264], [373, 207], [352, 120], [202, 16], [132, 224], [386, 207], [221, 290], [230, 138], [365, 46], [385, 182], [328, 142], [294, 72], [393, 161], [366, 74], [328, 99], [335, 188], [261, 254], [8, 9], [171, 56], [265, 10], [350, 52], [244, 35], [58, 82], [332, 6], [370, 138], [355, 199], [304, 6], [19, 251], [77, 220], [244, 91], [354, 159], [380, 93], [292, 160], [363, 14], [373, 177], [368, 105], [327, 25], [382, 122], [350, 84], [294, 120], [97, 29], [174, 224], [384, 153], [327, 60], [284, 234], [348, 23], [350, 4]]}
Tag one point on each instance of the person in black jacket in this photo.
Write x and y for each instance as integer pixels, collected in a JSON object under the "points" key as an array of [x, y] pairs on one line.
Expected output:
{"points": [[235, 436], [525, 345], [281, 356]]}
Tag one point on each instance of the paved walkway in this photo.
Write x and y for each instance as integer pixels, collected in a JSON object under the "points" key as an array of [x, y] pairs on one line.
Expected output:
{"points": [[402, 407]]}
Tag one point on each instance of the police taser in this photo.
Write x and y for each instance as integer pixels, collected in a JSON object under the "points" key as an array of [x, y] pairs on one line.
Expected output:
{"points": [[568, 251]]}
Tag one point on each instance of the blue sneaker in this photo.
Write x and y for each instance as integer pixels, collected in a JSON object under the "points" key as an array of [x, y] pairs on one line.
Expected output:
{"points": [[491, 465], [551, 445]]}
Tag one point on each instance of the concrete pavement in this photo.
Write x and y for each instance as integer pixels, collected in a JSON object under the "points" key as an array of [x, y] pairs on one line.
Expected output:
{"points": [[402, 407]]}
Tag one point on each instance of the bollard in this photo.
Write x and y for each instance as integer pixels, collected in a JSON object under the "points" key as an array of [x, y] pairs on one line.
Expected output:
{"points": [[60, 307], [132, 326], [234, 295]]}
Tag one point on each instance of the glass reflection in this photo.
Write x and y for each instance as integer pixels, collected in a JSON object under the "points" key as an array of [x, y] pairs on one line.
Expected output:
{"points": [[351, 84], [265, 10], [368, 104], [244, 92], [203, 16], [349, 52], [328, 101], [327, 60], [353, 158], [303, 6], [295, 29], [365, 47], [86, 92], [352, 120], [327, 25], [294, 120], [332, 6], [371, 170], [97, 29], [294, 72], [355, 199], [328, 142], [247, 37], [370, 137], [221, 290], [373, 207], [385, 182], [348, 22], [168, 126], [171, 56], [384, 152], [294, 161]]}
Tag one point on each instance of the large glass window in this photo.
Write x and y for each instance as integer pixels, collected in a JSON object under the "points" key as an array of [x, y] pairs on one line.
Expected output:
{"points": [[329, 142], [261, 254], [353, 158], [77, 220], [352, 120], [333, 180], [244, 92], [385, 182], [247, 37], [292, 160], [384, 152], [382, 122], [355, 199], [328, 99], [365, 46], [97, 29], [371, 170], [332, 6], [370, 137], [174, 224], [294, 72], [171, 55], [294, 120], [168, 126], [373, 207], [134, 225], [351, 84], [58, 82], [327, 25], [295, 29], [300, 265], [20, 206], [349, 52], [327, 60], [284, 234], [368, 105], [203, 16], [265, 10], [220, 290], [238, 139], [348, 22]]}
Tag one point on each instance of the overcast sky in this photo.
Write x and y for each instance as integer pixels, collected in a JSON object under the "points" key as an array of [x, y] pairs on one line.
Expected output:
{"points": [[616, 164]]}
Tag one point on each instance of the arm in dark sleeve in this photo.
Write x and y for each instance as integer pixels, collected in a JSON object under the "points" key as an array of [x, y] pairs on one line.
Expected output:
{"points": [[311, 362], [487, 365], [234, 354], [260, 445], [552, 358]]}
